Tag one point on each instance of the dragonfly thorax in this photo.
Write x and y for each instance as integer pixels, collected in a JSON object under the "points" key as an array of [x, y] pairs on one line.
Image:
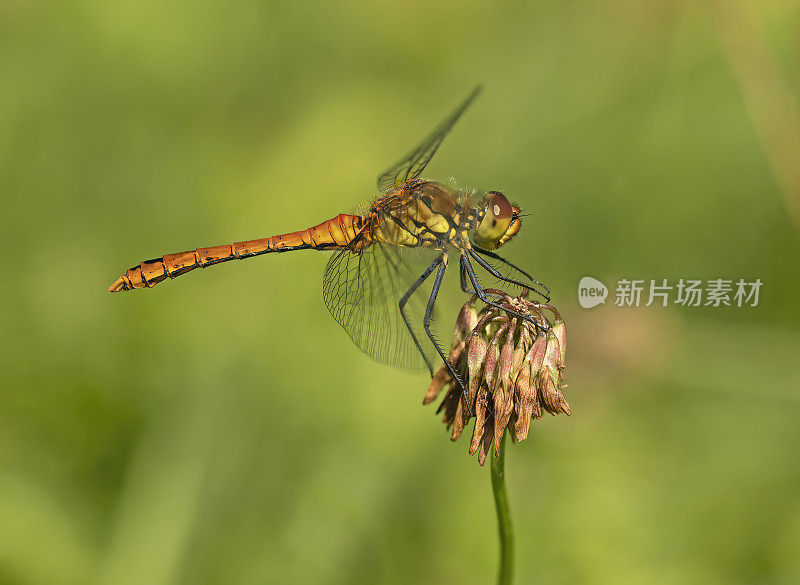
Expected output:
{"points": [[422, 214]]}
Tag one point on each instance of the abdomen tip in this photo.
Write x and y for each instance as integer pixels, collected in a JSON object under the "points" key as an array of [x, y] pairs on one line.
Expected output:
{"points": [[118, 285]]}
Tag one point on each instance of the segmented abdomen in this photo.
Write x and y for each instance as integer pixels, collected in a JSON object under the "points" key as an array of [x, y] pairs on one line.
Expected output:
{"points": [[331, 234]]}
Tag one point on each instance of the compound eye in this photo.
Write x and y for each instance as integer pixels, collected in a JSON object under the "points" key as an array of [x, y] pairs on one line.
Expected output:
{"points": [[496, 219], [499, 206]]}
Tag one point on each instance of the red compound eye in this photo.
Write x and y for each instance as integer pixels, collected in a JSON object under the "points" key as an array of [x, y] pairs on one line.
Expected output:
{"points": [[499, 206]]}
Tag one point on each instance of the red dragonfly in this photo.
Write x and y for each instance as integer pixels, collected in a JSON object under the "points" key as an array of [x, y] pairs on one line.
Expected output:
{"points": [[382, 258]]}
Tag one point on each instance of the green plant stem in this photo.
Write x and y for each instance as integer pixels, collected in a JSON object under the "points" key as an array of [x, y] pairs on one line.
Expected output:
{"points": [[504, 529]]}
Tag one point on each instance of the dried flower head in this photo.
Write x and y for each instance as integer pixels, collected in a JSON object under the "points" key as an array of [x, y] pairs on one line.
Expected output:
{"points": [[513, 368]]}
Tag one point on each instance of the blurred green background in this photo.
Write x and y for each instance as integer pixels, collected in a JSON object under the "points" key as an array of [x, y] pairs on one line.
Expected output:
{"points": [[221, 428]]}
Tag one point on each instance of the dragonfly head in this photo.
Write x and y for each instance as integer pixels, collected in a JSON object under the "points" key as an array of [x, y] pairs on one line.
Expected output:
{"points": [[498, 221]]}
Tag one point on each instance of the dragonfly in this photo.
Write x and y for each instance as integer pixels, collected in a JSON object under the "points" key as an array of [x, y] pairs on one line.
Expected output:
{"points": [[373, 281]]}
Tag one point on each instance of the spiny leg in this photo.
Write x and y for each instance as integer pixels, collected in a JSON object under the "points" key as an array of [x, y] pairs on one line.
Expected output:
{"points": [[463, 274], [496, 256], [462, 270], [404, 301], [467, 267], [496, 273], [426, 323]]}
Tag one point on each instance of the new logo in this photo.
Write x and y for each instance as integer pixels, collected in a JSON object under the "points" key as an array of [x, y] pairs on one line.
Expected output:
{"points": [[591, 292]]}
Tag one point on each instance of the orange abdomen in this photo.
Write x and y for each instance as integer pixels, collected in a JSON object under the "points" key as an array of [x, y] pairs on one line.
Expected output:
{"points": [[333, 234]]}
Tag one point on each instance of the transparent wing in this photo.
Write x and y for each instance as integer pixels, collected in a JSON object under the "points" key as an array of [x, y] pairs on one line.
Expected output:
{"points": [[362, 291], [415, 162]]}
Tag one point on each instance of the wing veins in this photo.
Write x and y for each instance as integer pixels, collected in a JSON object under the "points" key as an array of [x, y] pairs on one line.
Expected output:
{"points": [[412, 165]]}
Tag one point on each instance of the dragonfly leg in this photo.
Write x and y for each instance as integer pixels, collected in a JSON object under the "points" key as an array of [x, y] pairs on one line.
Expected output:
{"points": [[496, 256], [463, 274], [462, 269], [404, 300], [426, 323], [467, 267], [496, 273]]}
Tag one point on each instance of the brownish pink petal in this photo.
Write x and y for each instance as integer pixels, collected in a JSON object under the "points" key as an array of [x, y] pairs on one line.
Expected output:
{"points": [[536, 406], [524, 389], [523, 403], [506, 361], [449, 405], [485, 446], [536, 354], [552, 357], [526, 340], [481, 410], [560, 331], [519, 357], [458, 420], [465, 323], [521, 427], [442, 375], [503, 407], [440, 378], [490, 365], [476, 355], [455, 353], [552, 398]]}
